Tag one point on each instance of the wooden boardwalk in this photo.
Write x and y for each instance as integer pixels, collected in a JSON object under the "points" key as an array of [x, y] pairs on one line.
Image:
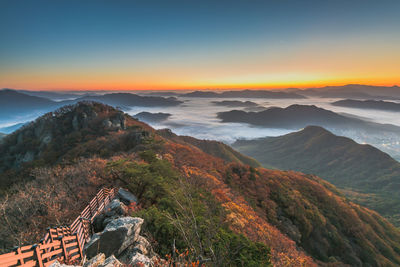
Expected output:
{"points": [[64, 244]]}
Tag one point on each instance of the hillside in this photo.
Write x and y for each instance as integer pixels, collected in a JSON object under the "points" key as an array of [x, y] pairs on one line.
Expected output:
{"points": [[152, 117], [83, 129], [12, 128], [26, 103], [292, 117], [368, 104], [214, 148], [203, 202], [339, 160]]}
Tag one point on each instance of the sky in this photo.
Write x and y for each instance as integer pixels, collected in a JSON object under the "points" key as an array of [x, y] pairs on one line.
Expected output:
{"points": [[156, 45]]}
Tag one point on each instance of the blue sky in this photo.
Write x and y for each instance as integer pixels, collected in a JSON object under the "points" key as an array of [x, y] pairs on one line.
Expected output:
{"points": [[145, 44]]}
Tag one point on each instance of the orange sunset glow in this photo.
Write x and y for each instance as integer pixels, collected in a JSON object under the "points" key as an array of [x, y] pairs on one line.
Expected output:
{"points": [[307, 50]]}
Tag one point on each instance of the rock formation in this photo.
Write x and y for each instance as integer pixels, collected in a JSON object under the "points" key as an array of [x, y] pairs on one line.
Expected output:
{"points": [[117, 240]]}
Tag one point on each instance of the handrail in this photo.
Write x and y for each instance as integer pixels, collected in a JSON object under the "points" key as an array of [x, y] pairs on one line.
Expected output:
{"points": [[61, 243]]}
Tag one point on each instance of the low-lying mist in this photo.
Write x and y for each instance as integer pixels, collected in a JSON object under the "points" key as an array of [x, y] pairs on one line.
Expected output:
{"points": [[197, 117]]}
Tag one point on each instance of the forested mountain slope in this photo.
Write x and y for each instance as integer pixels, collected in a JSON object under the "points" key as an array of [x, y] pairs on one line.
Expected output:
{"points": [[343, 162]]}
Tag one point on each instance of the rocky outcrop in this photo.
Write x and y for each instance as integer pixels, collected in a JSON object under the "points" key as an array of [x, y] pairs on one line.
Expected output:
{"points": [[117, 241], [140, 253], [121, 243], [118, 235], [112, 211]]}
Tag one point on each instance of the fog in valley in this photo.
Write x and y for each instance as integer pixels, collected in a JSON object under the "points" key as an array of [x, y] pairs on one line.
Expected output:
{"points": [[197, 117]]}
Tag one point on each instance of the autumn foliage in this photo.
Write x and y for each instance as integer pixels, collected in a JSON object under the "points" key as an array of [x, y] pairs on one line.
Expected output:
{"points": [[227, 213]]}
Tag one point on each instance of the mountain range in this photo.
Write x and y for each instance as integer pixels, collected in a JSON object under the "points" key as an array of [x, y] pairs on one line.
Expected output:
{"points": [[245, 94], [126, 100], [355, 91], [357, 169], [16, 103], [235, 103], [28, 104], [368, 104], [299, 116], [295, 219]]}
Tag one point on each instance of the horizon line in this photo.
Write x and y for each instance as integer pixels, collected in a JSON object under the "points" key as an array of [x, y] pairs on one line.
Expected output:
{"points": [[201, 88]]}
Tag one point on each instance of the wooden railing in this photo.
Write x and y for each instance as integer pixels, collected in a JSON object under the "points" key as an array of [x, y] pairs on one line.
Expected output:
{"points": [[82, 224], [64, 243]]}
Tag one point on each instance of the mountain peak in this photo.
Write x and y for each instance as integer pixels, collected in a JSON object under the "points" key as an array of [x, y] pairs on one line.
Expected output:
{"points": [[315, 129], [84, 114], [75, 130]]}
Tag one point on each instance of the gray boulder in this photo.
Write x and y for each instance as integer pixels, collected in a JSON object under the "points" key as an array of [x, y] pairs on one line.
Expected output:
{"points": [[112, 211], [115, 208], [118, 235], [98, 223], [140, 247], [126, 197]]}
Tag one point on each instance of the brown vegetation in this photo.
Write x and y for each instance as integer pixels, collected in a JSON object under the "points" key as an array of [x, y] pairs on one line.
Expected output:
{"points": [[300, 219]]}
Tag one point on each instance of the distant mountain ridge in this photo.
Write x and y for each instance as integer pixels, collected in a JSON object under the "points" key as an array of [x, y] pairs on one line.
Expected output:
{"points": [[339, 160], [368, 104], [128, 99], [235, 103], [16, 103], [245, 94], [356, 91], [52, 95], [299, 116], [292, 117]]}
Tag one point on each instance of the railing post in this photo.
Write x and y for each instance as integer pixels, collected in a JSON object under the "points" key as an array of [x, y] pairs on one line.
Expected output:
{"points": [[83, 228], [19, 252], [79, 246], [104, 200], [108, 196], [90, 209], [50, 235], [97, 204], [38, 255], [64, 248]]}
